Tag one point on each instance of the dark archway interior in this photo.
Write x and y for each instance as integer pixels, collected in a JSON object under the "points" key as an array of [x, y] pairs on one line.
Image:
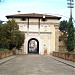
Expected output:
{"points": [[33, 46]]}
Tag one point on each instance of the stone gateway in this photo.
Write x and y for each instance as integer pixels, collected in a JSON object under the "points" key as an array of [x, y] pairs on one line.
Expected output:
{"points": [[41, 32]]}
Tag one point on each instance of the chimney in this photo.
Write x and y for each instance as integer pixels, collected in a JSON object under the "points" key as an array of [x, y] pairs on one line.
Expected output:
{"points": [[18, 12]]}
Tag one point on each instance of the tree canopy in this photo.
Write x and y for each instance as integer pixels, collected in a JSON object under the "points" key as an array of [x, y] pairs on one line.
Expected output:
{"points": [[67, 28], [70, 38], [10, 36], [63, 26]]}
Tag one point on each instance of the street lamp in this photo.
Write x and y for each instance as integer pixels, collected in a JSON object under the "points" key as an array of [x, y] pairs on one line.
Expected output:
{"points": [[44, 16]]}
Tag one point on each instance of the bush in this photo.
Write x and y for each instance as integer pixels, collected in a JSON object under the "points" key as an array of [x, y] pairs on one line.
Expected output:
{"points": [[5, 50], [10, 36]]}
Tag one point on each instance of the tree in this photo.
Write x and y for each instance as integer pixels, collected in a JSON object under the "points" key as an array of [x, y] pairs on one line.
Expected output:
{"points": [[3, 39], [17, 39], [70, 38], [63, 26], [63, 29], [1, 22], [74, 36], [10, 36]]}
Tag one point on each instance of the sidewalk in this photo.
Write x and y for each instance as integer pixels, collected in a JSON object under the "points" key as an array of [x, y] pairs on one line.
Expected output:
{"points": [[69, 63], [6, 59]]}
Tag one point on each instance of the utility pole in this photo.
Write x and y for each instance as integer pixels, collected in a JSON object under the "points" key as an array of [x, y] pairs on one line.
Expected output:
{"points": [[70, 5], [70, 38]]}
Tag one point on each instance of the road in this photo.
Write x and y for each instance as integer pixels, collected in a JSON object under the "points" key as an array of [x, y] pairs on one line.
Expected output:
{"points": [[35, 65]]}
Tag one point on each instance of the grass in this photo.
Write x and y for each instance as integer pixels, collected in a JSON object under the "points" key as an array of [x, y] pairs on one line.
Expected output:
{"points": [[3, 49]]}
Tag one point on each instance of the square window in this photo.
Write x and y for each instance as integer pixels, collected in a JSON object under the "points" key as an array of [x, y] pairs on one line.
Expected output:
{"points": [[44, 19], [23, 19]]}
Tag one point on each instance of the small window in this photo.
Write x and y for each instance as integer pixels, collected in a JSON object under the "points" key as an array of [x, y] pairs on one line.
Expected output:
{"points": [[23, 19], [44, 19]]}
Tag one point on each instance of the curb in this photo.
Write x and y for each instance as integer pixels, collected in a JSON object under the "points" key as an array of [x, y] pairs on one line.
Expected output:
{"points": [[6, 59], [69, 63]]}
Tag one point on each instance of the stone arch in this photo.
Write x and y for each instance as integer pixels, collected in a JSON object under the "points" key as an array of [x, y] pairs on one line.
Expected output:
{"points": [[33, 46]]}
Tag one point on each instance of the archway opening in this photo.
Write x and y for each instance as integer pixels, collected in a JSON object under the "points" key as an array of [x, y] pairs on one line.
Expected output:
{"points": [[33, 46]]}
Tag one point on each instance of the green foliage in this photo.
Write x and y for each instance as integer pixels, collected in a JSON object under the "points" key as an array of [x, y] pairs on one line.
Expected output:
{"points": [[74, 37], [63, 26], [17, 39], [1, 22], [12, 25], [5, 50], [74, 32], [70, 38], [10, 36]]}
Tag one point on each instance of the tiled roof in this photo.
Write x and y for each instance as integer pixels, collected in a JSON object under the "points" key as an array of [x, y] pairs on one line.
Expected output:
{"points": [[33, 15]]}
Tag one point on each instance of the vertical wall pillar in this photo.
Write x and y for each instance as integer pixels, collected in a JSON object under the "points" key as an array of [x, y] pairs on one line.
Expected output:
{"points": [[28, 27], [56, 37], [39, 27]]}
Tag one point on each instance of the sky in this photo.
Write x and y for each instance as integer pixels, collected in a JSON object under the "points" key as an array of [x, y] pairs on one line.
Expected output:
{"points": [[52, 7]]}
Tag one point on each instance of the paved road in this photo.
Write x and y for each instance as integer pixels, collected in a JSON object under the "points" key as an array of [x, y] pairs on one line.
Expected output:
{"points": [[35, 65]]}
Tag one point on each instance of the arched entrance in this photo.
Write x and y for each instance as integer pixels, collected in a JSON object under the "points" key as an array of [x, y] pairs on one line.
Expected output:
{"points": [[33, 46]]}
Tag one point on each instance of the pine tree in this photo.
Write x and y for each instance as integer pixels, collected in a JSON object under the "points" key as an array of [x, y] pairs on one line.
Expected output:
{"points": [[70, 38]]}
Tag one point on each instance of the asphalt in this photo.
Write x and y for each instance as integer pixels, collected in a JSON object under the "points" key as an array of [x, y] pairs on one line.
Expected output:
{"points": [[69, 63]]}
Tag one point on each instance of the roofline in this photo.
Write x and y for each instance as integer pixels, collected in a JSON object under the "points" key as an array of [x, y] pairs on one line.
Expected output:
{"points": [[26, 16]]}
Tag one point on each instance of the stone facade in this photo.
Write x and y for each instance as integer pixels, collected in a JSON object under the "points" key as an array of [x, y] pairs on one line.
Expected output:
{"points": [[46, 32]]}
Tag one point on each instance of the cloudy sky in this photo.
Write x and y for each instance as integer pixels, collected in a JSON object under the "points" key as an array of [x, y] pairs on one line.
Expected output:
{"points": [[53, 7]]}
